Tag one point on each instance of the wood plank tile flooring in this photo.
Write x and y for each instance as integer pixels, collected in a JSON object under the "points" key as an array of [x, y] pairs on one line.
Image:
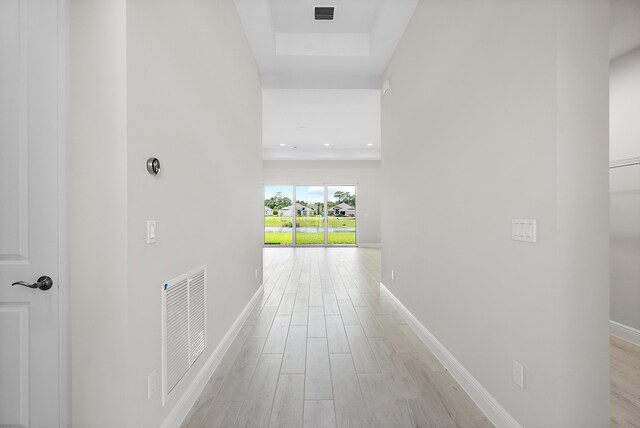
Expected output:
{"points": [[323, 349], [625, 384]]}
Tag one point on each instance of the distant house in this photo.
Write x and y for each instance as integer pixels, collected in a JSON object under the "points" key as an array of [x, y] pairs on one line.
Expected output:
{"points": [[301, 210], [343, 210], [268, 211]]}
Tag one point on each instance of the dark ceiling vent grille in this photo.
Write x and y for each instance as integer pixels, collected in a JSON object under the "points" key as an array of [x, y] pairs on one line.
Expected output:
{"points": [[324, 13]]}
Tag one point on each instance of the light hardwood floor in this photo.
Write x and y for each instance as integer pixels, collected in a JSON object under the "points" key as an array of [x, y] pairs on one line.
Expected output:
{"points": [[625, 384], [323, 349]]}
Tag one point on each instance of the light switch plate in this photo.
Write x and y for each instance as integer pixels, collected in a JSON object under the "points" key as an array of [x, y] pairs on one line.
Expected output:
{"points": [[524, 229], [151, 232]]}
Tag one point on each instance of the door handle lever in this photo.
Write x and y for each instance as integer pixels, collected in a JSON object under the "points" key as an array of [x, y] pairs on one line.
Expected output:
{"points": [[44, 283]]}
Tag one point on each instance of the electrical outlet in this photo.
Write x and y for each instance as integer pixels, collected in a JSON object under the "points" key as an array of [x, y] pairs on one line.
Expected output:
{"points": [[393, 275], [518, 374], [152, 384]]}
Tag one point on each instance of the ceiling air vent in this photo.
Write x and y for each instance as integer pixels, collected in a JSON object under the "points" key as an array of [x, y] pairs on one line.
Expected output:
{"points": [[324, 13]]}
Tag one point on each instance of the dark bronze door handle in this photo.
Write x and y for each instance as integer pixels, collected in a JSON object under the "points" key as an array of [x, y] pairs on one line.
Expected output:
{"points": [[44, 283]]}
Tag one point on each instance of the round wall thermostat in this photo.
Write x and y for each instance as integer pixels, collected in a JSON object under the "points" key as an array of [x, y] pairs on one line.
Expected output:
{"points": [[153, 166]]}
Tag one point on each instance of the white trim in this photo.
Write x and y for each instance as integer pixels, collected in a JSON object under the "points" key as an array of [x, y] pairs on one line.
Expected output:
{"points": [[325, 212], [294, 216], [184, 404], [624, 332], [485, 401], [371, 245], [64, 374], [624, 162]]}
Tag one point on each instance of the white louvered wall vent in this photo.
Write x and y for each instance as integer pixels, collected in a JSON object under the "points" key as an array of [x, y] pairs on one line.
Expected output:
{"points": [[184, 326]]}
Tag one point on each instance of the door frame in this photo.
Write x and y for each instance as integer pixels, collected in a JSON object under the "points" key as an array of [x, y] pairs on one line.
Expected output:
{"points": [[63, 216], [294, 215]]}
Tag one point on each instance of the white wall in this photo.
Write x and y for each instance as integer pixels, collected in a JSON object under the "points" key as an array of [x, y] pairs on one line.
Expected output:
{"points": [[98, 212], [347, 118], [625, 190], [194, 101], [188, 92], [365, 174], [498, 110]]}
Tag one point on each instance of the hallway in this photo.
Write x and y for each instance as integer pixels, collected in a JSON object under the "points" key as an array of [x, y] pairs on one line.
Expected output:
{"points": [[449, 196], [323, 349]]}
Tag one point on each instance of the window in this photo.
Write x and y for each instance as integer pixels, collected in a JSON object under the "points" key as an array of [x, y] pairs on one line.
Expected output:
{"points": [[278, 215], [320, 215]]}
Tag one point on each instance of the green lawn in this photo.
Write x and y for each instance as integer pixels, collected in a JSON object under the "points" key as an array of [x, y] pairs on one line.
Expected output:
{"points": [[275, 221], [282, 238]]}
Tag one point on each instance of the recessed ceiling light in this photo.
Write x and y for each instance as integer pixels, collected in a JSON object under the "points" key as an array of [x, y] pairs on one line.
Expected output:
{"points": [[283, 144], [327, 144], [370, 144]]}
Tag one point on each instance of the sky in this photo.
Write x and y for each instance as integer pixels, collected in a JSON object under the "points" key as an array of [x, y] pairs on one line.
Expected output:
{"points": [[309, 194]]}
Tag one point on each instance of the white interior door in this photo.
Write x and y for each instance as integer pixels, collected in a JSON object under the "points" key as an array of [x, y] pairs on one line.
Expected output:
{"points": [[29, 217]]}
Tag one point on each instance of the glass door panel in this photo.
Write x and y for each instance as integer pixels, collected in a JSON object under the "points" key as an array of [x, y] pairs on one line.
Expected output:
{"points": [[278, 216], [309, 215], [341, 215]]}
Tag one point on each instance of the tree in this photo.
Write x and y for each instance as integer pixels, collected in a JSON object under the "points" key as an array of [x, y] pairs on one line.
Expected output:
{"points": [[277, 202], [285, 202], [344, 197]]}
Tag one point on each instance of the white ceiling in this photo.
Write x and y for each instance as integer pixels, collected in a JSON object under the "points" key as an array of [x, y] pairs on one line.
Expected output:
{"points": [[326, 75], [321, 79], [305, 120], [625, 27], [350, 52]]}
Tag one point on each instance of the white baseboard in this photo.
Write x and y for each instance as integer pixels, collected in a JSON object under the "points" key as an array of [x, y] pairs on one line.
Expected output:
{"points": [[624, 332], [370, 245], [180, 411], [485, 401]]}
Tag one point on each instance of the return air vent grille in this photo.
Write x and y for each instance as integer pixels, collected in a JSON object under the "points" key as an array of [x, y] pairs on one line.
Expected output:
{"points": [[184, 326], [324, 13], [197, 315], [177, 328]]}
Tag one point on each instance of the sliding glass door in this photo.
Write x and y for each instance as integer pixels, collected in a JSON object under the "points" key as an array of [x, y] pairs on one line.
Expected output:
{"points": [[341, 215], [303, 215], [309, 219], [278, 216]]}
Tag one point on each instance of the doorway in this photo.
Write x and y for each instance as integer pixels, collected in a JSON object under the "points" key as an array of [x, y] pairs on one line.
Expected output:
{"points": [[322, 215]]}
